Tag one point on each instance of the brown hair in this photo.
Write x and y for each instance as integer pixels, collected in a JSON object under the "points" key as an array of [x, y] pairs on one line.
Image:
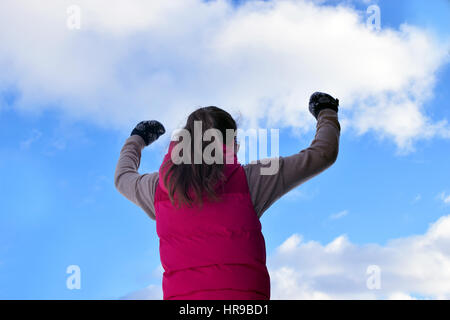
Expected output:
{"points": [[202, 178]]}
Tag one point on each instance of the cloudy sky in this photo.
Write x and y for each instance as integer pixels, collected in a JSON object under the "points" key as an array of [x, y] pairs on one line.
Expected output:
{"points": [[69, 97]]}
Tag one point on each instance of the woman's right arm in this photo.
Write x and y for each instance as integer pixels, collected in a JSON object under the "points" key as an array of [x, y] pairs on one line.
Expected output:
{"points": [[298, 168]]}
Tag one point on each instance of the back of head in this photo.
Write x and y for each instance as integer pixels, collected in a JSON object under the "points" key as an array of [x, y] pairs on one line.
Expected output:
{"points": [[201, 178]]}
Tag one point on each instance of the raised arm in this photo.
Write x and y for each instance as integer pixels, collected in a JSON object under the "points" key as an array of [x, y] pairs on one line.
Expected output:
{"points": [[300, 167], [139, 189]]}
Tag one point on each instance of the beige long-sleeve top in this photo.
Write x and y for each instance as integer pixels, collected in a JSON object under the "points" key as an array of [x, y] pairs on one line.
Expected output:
{"points": [[264, 189]]}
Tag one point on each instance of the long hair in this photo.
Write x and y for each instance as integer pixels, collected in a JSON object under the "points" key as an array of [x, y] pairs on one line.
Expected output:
{"points": [[202, 178]]}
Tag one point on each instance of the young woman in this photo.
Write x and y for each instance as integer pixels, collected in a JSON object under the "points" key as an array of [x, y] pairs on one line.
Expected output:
{"points": [[207, 215]]}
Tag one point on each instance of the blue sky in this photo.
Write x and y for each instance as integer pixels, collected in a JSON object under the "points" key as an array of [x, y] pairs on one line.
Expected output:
{"points": [[59, 206]]}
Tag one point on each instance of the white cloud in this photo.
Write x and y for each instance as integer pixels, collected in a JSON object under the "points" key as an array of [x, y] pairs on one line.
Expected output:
{"points": [[151, 292], [444, 197], [160, 59], [35, 135], [417, 198], [291, 243], [410, 268], [339, 215], [400, 296], [300, 194], [415, 266]]}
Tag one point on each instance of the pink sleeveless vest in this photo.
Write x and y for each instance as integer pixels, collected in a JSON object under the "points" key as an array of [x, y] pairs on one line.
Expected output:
{"points": [[216, 252]]}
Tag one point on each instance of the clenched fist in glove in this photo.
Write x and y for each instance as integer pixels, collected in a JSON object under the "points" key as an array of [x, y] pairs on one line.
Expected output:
{"points": [[149, 130], [320, 101]]}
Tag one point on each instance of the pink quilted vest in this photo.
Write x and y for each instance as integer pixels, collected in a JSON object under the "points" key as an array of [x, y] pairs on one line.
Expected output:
{"points": [[217, 252]]}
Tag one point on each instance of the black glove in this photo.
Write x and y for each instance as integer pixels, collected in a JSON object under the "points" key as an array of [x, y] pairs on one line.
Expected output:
{"points": [[149, 130], [320, 101]]}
